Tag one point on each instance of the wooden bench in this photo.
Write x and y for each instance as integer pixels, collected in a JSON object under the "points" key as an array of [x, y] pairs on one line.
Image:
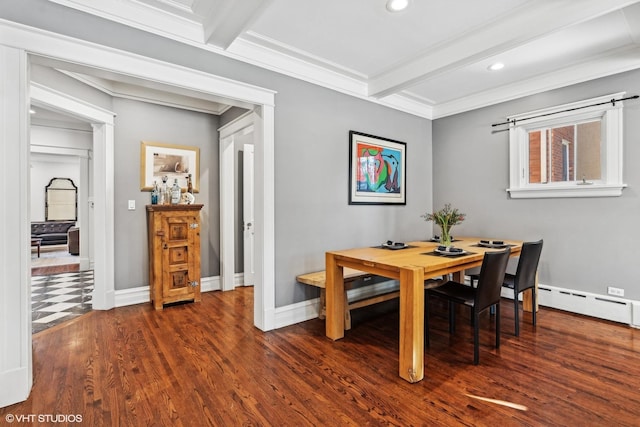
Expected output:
{"points": [[318, 279]]}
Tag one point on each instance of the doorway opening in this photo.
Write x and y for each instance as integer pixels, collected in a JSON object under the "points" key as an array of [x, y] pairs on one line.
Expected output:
{"points": [[29, 46], [61, 147]]}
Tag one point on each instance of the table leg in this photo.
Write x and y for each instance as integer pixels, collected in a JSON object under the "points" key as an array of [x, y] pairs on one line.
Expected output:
{"points": [[334, 288], [347, 312], [527, 302], [412, 324], [323, 305]]}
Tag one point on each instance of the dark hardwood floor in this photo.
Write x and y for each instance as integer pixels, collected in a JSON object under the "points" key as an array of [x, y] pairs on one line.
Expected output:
{"points": [[205, 364]]}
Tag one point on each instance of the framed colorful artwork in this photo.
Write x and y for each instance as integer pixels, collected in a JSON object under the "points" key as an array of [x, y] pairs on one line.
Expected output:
{"points": [[377, 170], [173, 161]]}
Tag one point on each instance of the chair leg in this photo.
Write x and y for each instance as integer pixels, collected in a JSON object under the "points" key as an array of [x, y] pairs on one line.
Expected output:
{"points": [[476, 338], [516, 311], [497, 306], [347, 313], [452, 318], [534, 305]]}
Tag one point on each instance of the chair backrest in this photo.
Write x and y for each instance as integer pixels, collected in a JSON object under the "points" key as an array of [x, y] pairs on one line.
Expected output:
{"points": [[494, 266], [528, 265]]}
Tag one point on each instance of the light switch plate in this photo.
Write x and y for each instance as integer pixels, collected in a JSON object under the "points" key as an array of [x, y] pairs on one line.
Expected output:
{"points": [[132, 205]]}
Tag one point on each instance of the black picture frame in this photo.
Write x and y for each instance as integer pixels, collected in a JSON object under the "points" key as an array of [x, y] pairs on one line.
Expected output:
{"points": [[377, 170]]}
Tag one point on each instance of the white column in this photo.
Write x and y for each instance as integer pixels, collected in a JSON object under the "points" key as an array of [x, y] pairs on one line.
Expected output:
{"points": [[16, 376], [227, 214], [264, 288], [103, 198], [83, 212]]}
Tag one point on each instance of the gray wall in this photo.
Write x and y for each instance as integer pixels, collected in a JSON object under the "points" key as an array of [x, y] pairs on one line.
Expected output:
{"points": [[589, 243], [311, 154], [135, 122], [312, 157], [138, 121]]}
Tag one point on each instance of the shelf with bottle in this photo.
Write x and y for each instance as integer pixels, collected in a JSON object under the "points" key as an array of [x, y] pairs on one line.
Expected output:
{"points": [[155, 193], [175, 192]]}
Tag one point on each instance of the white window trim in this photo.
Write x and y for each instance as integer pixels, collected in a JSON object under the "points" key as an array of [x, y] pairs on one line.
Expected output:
{"points": [[610, 185]]}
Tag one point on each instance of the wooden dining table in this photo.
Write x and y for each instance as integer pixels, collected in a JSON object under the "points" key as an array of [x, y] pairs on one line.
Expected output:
{"points": [[410, 265]]}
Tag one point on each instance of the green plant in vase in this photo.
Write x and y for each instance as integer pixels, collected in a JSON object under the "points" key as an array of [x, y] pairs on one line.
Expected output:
{"points": [[445, 218]]}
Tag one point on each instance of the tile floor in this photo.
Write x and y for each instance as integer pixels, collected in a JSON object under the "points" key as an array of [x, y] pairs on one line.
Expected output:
{"points": [[57, 298]]}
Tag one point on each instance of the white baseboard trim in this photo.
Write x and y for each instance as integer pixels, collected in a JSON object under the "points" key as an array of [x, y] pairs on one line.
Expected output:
{"points": [[309, 309], [141, 295], [296, 313], [635, 314], [601, 306], [16, 386], [132, 296]]}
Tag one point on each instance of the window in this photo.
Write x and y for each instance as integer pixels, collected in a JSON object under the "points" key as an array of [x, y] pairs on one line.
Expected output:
{"points": [[571, 150]]}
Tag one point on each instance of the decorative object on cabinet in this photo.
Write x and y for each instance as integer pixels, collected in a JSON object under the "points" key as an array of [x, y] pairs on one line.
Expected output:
{"points": [[174, 161], [377, 170], [174, 253]]}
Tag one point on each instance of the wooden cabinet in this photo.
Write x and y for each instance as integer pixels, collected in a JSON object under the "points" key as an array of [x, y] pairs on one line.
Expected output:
{"points": [[174, 253]]}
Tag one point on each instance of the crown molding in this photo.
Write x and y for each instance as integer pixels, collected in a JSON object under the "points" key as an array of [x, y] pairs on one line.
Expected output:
{"points": [[610, 63], [387, 88], [150, 95], [77, 51], [147, 18], [489, 40]]}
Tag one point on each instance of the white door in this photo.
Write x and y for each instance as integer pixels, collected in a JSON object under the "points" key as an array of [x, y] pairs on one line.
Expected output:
{"points": [[248, 214]]}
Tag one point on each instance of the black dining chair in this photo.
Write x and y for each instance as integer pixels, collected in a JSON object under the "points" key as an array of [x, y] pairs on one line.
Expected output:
{"points": [[523, 279], [480, 298]]}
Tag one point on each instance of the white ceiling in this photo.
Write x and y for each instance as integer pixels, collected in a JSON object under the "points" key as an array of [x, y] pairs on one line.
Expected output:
{"points": [[430, 60]]}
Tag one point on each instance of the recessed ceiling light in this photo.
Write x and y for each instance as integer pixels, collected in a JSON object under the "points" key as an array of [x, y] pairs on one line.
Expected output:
{"points": [[397, 5], [32, 111], [495, 67]]}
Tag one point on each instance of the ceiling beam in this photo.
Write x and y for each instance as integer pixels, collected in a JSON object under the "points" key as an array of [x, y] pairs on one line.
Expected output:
{"points": [[624, 59], [230, 19], [173, 23], [511, 30]]}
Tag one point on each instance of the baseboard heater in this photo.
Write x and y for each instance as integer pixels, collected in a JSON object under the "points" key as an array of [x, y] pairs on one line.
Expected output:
{"points": [[603, 307]]}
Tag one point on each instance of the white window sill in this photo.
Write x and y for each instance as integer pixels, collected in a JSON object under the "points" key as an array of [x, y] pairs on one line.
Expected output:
{"points": [[544, 192]]}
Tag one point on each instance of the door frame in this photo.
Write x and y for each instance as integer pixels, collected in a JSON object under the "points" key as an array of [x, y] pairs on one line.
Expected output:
{"points": [[19, 44], [228, 134], [102, 255], [248, 183]]}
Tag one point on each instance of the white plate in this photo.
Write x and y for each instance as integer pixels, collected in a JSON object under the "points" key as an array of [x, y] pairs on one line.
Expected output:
{"points": [[446, 253]]}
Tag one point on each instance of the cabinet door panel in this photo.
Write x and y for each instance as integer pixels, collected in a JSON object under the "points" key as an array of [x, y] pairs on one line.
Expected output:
{"points": [[176, 277]]}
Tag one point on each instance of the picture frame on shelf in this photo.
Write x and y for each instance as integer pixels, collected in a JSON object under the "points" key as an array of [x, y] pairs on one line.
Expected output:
{"points": [[173, 161], [377, 170]]}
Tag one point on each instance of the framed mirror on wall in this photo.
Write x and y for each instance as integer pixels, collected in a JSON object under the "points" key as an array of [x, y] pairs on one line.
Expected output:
{"points": [[61, 200]]}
